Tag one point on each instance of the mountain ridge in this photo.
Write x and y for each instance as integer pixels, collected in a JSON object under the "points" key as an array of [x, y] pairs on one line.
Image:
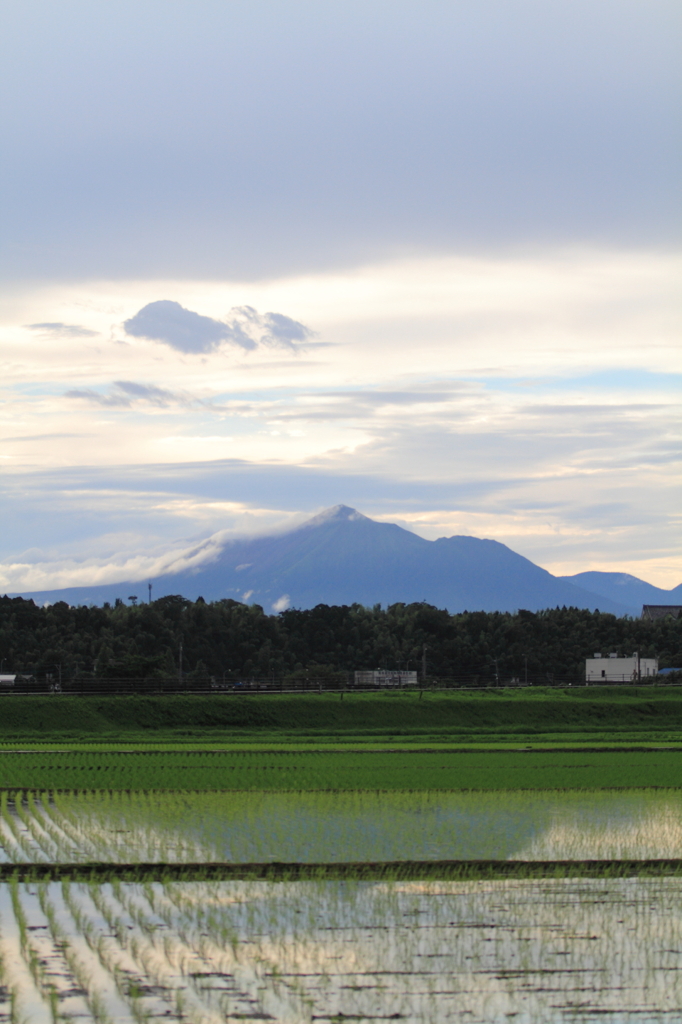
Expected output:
{"points": [[341, 556]]}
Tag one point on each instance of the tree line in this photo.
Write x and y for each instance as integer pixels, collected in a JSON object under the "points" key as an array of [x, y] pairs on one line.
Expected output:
{"points": [[228, 641]]}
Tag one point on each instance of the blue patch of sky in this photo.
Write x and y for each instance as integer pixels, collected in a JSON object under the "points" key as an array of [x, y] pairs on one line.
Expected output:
{"points": [[633, 379], [39, 389]]}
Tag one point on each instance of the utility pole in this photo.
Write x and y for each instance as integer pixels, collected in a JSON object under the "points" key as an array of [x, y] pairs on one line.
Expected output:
{"points": [[180, 663], [150, 592], [525, 669], [424, 665]]}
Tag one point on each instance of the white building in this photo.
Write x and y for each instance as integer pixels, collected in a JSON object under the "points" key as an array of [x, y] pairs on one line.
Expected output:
{"points": [[385, 677], [612, 669]]}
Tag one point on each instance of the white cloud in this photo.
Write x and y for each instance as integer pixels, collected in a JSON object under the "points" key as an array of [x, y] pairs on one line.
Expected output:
{"points": [[190, 332], [537, 393], [124, 392], [64, 330], [281, 604]]}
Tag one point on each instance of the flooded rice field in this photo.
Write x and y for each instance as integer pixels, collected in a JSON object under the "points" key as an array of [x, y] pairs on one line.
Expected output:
{"points": [[170, 827], [527, 951], [470, 950]]}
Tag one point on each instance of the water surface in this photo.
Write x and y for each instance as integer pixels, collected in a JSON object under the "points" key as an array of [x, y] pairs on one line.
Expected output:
{"points": [[339, 826]]}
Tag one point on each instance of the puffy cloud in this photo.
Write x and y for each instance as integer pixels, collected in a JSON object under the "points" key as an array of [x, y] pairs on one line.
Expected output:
{"points": [[169, 322], [66, 330], [178, 327], [272, 329]]}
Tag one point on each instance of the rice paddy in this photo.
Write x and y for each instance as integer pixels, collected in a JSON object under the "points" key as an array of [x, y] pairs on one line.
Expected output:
{"points": [[350, 769], [342, 883], [543, 950], [344, 827]]}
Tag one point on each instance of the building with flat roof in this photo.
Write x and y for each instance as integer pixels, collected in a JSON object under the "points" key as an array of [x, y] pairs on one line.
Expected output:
{"points": [[612, 669], [385, 677]]}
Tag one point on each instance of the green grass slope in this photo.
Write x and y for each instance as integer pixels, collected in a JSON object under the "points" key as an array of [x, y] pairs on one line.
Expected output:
{"points": [[581, 709]]}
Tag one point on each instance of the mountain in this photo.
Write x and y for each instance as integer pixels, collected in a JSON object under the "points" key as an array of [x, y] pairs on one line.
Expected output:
{"points": [[343, 557], [624, 589]]}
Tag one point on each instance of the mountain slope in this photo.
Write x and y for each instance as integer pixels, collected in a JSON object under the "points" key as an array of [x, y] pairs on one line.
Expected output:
{"points": [[625, 589], [343, 557]]}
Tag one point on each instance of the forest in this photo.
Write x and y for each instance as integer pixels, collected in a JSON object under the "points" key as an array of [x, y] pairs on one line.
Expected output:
{"points": [[228, 642]]}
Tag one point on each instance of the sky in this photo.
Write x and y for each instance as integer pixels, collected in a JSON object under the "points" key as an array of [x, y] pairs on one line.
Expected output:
{"points": [[260, 257]]}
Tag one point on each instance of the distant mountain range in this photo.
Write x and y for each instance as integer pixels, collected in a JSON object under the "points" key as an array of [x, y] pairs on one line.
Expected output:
{"points": [[624, 589], [343, 557]]}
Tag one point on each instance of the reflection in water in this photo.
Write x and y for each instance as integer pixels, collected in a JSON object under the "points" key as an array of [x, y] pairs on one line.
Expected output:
{"points": [[323, 827], [550, 951]]}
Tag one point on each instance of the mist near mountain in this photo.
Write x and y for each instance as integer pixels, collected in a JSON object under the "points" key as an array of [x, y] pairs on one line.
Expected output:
{"points": [[343, 557]]}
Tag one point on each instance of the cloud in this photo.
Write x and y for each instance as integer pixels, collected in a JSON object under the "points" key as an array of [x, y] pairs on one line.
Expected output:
{"points": [[124, 392], [281, 604], [66, 330], [33, 573], [170, 323], [270, 329]]}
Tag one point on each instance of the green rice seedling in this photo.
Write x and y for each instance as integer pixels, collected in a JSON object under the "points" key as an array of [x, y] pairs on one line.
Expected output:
{"points": [[10, 845], [54, 1004], [29, 952], [62, 944], [19, 914], [116, 960], [81, 844], [62, 848], [23, 848]]}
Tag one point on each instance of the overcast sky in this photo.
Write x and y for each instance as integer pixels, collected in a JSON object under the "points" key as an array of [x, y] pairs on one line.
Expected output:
{"points": [[267, 256]]}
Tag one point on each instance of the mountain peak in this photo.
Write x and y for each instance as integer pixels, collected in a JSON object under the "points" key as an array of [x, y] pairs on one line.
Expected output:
{"points": [[336, 514]]}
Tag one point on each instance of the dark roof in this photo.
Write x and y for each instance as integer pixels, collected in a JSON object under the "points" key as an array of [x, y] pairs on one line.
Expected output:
{"points": [[660, 611]]}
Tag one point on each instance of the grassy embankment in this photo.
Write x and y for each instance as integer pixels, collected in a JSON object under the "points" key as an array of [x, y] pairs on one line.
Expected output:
{"points": [[641, 713], [386, 741]]}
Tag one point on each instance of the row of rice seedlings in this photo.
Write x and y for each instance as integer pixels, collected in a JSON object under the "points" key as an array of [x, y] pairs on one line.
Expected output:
{"points": [[369, 826], [655, 832], [68, 846], [45, 982], [327, 827], [418, 934], [26, 999], [7, 988], [11, 851], [117, 953], [116, 826], [286, 929], [170, 960], [28, 807], [259, 975], [123, 959], [363, 949], [20, 844], [182, 951], [75, 827], [81, 965]]}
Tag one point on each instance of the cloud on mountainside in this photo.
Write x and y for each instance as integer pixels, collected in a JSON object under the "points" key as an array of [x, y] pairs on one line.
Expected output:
{"points": [[187, 331], [66, 330]]}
